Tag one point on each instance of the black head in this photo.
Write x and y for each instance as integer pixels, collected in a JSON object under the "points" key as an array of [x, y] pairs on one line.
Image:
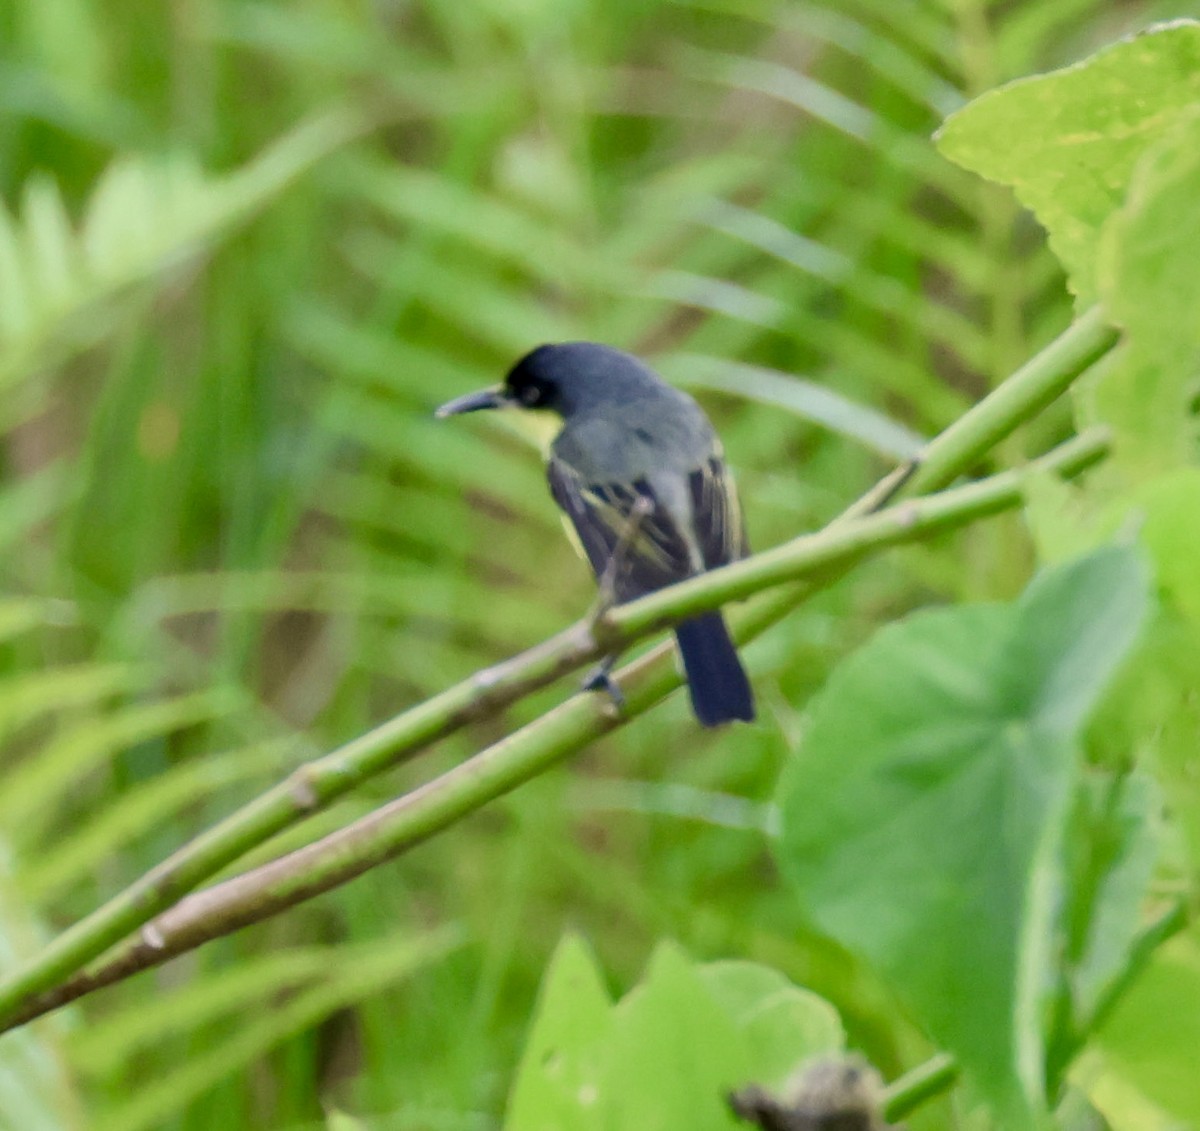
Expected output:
{"points": [[535, 380], [565, 379], [575, 376]]}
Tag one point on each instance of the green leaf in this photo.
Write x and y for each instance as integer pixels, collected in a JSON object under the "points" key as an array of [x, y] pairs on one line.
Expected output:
{"points": [[922, 821], [1120, 832], [144, 216], [37, 1093], [1068, 142], [39, 785], [561, 1072], [1154, 709], [1110, 853], [28, 696], [1168, 510], [1150, 1041], [678, 1053], [1149, 285], [667, 1054], [781, 1024]]}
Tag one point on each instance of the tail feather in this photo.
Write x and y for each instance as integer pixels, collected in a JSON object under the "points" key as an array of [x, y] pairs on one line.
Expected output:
{"points": [[716, 679]]}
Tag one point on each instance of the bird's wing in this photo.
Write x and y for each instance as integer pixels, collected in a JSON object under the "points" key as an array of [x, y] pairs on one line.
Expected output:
{"points": [[655, 553], [716, 514]]}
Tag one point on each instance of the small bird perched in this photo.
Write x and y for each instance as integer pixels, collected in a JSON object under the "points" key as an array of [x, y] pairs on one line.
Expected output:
{"points": [[639, 471]]}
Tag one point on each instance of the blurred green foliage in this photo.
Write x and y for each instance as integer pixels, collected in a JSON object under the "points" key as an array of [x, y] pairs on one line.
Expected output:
{"points": [[246, 248]]}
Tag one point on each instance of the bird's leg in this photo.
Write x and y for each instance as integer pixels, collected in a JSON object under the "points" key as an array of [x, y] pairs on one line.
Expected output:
{"points": [[600, 678], [608, 579]]}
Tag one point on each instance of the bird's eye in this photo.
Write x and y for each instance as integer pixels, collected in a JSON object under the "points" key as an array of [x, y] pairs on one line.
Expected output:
{"points": [[530, 395]]}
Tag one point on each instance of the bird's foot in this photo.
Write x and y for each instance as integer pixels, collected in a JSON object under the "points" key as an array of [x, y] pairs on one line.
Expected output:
{"points": [[601, 680]]}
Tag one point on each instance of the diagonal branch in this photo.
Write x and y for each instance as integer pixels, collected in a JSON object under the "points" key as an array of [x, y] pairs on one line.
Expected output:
{"points": [[398, 826], [320, 782]]}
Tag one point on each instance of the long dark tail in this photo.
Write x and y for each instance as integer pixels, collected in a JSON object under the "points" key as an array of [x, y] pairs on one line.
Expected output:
{"points": [[716, 679]]}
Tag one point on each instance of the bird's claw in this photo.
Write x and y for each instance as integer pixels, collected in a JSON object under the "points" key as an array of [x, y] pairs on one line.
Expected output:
{"points": [[601, 680]]}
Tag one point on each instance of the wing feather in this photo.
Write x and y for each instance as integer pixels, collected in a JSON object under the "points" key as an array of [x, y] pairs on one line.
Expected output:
{"points": [[601, 513], [717, 515]]}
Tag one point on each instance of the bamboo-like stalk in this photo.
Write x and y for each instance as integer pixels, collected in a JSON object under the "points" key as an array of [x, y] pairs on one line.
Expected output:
{"points": [[47, 981]]}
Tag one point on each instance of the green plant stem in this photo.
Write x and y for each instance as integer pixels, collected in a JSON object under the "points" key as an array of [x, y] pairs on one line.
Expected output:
{"points": [[325, 779], [817, 557], [309, 788], [394, 828], [1041, 380], [927, 1080]]}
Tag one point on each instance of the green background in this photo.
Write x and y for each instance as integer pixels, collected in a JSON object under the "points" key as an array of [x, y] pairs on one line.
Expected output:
{"points": [[249, 248]]}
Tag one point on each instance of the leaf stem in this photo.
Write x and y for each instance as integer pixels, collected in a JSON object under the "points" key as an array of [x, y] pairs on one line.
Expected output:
{"points": [[905, 1095]]}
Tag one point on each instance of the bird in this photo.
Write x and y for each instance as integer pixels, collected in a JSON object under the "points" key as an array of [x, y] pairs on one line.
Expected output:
{"points": [[639, 471]]}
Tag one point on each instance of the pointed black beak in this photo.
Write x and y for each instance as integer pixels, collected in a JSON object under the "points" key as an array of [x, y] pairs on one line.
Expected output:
{"points": [[473, 402]]}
